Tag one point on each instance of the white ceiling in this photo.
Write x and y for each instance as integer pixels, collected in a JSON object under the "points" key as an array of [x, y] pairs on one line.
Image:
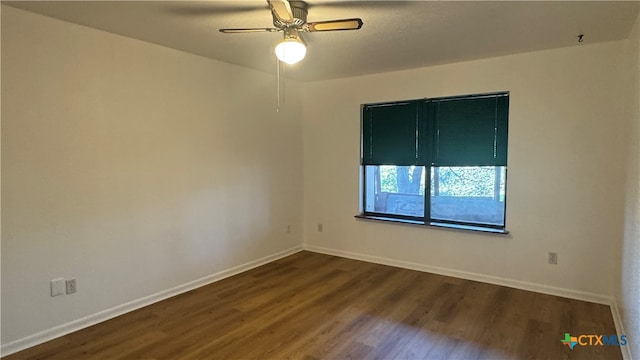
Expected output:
{"points": [[396, 34]]}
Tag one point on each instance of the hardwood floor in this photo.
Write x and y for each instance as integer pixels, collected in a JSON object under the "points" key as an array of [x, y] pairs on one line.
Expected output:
{"points": [[313, 306]]}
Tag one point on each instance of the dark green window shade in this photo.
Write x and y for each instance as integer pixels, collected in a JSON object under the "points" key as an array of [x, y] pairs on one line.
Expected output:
{"points": [[390, 134], [470, 131]]}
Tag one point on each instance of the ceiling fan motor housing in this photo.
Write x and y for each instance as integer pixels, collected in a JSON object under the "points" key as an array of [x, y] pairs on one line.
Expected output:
{"points": [[299, 11]]}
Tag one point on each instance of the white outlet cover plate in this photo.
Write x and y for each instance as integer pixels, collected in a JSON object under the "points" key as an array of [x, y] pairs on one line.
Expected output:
{"points": [[71, 286], [57, 287]]}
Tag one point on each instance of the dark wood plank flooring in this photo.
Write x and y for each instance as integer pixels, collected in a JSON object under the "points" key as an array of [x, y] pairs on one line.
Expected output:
{"points": [[313, 306]]}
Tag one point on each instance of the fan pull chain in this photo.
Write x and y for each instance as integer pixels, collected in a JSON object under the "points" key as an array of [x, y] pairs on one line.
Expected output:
{"points": [[278, 85]]}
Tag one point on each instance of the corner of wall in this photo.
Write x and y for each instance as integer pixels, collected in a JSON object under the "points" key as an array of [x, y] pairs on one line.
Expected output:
{"points": [[625, 306]]}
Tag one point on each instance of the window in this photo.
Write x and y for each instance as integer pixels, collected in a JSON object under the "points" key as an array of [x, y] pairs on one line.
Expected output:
{"points": [[437, 161]]}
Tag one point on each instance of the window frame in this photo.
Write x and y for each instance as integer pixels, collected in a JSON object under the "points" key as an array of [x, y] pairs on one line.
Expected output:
{"points": [[426, 219]]}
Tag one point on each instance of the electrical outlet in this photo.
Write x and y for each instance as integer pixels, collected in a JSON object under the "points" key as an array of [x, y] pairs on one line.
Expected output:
{"points": [[57, 287], [553, 258], [71, 286], [320, 227]]}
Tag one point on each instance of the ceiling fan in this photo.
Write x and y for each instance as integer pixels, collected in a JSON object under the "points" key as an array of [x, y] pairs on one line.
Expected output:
{"points": [[290, 17]]}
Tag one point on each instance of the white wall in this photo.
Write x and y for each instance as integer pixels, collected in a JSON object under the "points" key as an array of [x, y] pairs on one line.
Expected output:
{"points": [[628, 276], [567, 144], [133, 168]]}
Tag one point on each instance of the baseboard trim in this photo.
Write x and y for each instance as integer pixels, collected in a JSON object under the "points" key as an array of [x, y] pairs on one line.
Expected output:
{"points": [[517, 284], [64, 329], [617, 321]]}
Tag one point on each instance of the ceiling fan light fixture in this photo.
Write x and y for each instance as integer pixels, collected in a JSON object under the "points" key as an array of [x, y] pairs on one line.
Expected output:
{"points": [[292, 49]]}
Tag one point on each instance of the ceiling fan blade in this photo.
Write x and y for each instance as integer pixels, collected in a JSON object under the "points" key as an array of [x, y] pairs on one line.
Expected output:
{"points": [[334, 25], [248, 30], [281, 9]]}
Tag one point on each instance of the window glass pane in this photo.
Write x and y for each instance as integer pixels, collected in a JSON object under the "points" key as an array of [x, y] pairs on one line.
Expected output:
{"points": [[469, 194], [395, 190]]}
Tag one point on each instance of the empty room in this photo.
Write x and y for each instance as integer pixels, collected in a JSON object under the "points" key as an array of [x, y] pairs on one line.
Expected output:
{"points": [[320, 179]]}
